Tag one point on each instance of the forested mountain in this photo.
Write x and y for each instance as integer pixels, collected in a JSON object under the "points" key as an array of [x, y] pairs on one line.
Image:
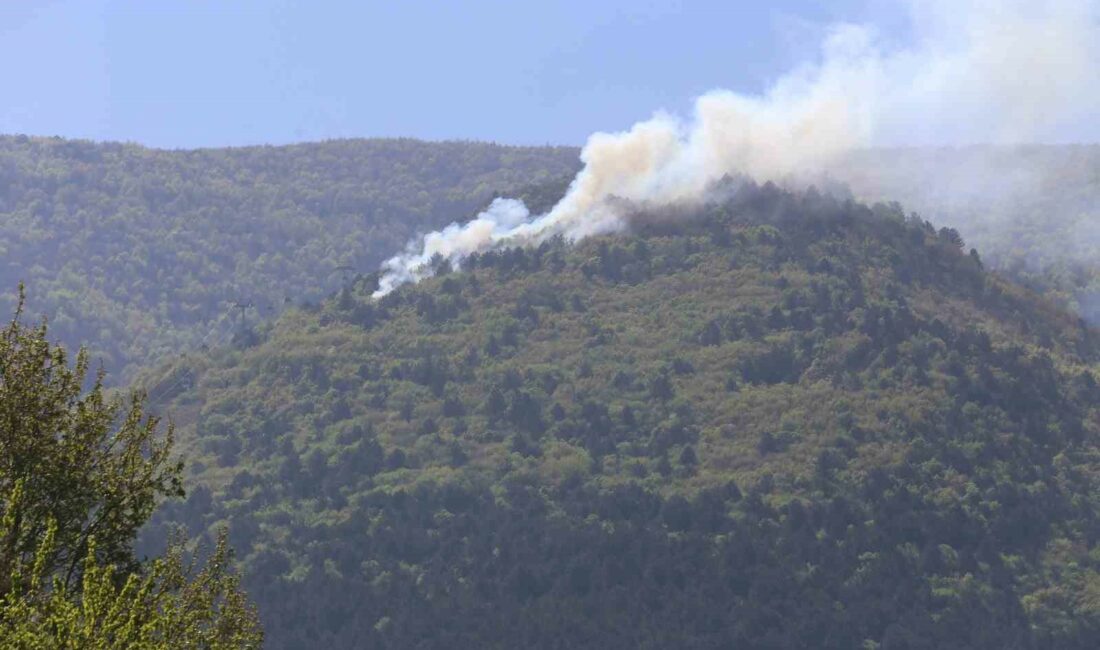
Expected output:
{"points": [[1033, 211], [778, 420], [142, 253]]}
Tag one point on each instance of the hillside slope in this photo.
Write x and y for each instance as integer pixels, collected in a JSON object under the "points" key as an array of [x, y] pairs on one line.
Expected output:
{"points": [[1033, 211], [141, 253], [780, 420]]}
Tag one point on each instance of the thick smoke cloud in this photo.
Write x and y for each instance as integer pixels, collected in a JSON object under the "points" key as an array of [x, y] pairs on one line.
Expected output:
{"points": [[974, 71]]}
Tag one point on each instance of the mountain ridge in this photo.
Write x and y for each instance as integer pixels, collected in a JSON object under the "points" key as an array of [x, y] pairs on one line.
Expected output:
{"points": [[818, 383], [142, 253]]}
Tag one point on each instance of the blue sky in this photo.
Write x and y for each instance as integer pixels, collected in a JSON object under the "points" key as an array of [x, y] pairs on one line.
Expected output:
{"points": [[191, 74]]}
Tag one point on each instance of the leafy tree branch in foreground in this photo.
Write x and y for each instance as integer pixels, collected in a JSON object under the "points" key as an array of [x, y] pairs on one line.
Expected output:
{"points": [[80, 473]]}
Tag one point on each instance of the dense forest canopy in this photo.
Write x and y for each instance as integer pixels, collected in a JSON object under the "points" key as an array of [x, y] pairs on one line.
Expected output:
{"points": [[779, 420], [142, 253], [782, 418]]}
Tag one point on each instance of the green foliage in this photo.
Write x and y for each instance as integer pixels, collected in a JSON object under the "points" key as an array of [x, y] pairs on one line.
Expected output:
{"points": [[141, 253], [79, 475], [169, 605], [78, 469], [777, 420]]}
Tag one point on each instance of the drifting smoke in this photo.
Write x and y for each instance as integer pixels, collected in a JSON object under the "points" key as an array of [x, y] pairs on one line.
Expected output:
{"points": [[1002, 71]]}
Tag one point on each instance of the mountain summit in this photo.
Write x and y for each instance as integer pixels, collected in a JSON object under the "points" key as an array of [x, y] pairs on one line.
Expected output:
{"points": [[777, 420]]}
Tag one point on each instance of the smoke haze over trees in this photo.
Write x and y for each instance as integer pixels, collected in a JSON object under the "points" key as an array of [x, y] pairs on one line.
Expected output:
{"points": [[963, 79], [814, 365], [775, 420]]}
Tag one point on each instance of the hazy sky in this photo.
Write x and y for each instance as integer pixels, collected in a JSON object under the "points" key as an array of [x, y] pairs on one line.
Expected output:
{"points": [[186, 74]]}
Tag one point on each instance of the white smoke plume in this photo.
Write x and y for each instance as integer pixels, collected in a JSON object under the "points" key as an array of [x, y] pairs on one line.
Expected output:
{"points": [[989, 71]]}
